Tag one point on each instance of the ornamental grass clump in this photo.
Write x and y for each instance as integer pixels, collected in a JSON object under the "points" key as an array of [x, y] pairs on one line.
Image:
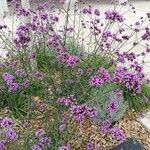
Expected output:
{"points": [[83, 62]]}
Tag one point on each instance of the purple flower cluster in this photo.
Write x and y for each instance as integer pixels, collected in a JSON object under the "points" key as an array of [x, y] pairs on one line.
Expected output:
{"points": [[106, 35], [118, 134], [118, 74], [68, 60], [119, 93], [12, 85], [9, 79], [62, 1], [112, 107], [80, 112], [63, 56], [132, 81], [25, 83], [23, 37], [6, 122], [32, 56], [22, 12], [92, 146], [146, 35], [40, 105], [114, 16], [69, 101], [43, 16], [2, 144], [97, 12], [39, 133], [54, 42], [44, 141], [20, 73], [87, 10], [102, 77], [62, 127], [39, 75], [54, 19], [43, 6], [125, 56], [36, 147], [129, 56], [96, 81], [64, 148], [9, 133], [12, 63], [105, 126], [80, 72]]}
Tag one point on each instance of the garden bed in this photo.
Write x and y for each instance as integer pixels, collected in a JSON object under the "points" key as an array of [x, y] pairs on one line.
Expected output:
{"points": [[69, 87]]}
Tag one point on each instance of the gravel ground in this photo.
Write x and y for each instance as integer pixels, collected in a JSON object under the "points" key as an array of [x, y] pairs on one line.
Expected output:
{"points": [[131, 127], [86, 132]]}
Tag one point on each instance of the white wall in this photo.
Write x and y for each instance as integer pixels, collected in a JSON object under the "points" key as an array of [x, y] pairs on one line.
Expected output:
{"points": [[3, 7]]}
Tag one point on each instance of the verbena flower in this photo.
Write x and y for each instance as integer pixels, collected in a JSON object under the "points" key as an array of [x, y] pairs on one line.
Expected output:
{"points": [[36, 147], [80, 112], [87, 10], [2, 144], [6, 122], [104, 75], [112, 107], [64, 148], [39, 75], [32, 56], [62, 127], [66, 101], [96, 12], [92, 146], [118, 133], [11, 134], [91, 112], [22, 12], [43, 16], [97, 147], [105, 126], [39, 133], [114, 16], [80, 72], [95, 81], [118, 74], [132, 81], [13, 87], [8, 77], [89, 146], [119, 93], [44, 141], [68, 60], [146, 35], [20, 73], [25, 83]]}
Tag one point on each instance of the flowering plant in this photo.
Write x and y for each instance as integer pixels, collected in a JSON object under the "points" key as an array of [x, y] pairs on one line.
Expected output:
{"points": [[81, 60]]}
